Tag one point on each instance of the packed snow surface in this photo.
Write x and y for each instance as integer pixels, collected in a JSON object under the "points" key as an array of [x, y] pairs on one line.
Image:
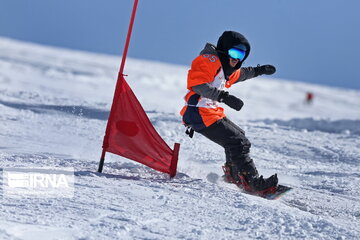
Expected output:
{"points": [[54, 105]]}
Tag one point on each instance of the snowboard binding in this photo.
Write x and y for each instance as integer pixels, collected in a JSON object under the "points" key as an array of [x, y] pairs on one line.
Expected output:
{"points": [[244, 184]]}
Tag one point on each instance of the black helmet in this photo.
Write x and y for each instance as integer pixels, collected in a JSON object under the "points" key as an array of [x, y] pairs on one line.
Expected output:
{"points": [[231, 39]]}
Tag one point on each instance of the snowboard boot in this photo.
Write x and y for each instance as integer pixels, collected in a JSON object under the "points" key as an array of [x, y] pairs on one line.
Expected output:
{"points": [[231, 173], [258, 184], [248, 178]]}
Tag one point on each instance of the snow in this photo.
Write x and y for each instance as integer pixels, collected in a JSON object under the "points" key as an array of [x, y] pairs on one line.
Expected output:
{"points": [[54, 105]]}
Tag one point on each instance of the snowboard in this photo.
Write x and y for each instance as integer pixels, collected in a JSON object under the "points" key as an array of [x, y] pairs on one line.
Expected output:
{"points": [[278, 193], [270, 194]]}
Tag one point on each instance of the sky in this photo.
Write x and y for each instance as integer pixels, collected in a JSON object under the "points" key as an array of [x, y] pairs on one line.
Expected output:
{"points": [[309, 41]]}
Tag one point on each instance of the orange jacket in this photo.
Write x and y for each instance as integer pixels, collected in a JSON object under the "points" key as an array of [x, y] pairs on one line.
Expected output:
{"points": [[200, 112]]}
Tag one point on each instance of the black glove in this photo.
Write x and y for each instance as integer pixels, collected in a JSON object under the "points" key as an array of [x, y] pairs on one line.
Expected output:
{"points": [[231, 100], [264, 69]]}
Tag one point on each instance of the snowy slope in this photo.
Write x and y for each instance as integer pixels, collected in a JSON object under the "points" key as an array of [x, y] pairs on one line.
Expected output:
{"points": [[54, 105]]}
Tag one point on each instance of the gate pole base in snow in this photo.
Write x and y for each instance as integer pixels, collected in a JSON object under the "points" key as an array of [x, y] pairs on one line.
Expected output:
{"points": [[101, 163], [174, 160]]}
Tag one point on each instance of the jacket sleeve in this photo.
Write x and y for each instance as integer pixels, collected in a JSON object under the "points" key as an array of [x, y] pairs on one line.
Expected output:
{"points": [[207, 91], [246, 73]]}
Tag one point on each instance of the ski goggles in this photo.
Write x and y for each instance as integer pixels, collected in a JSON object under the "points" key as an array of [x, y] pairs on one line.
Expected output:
{"points": [[236, 53]]}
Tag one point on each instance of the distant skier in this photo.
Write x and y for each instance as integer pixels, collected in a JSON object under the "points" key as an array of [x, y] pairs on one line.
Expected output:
{"points": [[309, 98], [215, 69]]}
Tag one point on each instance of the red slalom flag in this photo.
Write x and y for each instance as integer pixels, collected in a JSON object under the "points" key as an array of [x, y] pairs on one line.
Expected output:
{"points": [[129, 132]]}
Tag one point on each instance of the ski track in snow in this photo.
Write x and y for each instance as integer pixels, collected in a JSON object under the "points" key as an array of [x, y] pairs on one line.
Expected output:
{"points": [[54, 104]]}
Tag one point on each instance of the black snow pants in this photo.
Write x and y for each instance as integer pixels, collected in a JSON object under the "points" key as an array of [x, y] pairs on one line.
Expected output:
{"points": [[237, 147]]}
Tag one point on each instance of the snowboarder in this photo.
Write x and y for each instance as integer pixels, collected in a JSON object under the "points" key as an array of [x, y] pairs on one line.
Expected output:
{"points": [[216, 68]]}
